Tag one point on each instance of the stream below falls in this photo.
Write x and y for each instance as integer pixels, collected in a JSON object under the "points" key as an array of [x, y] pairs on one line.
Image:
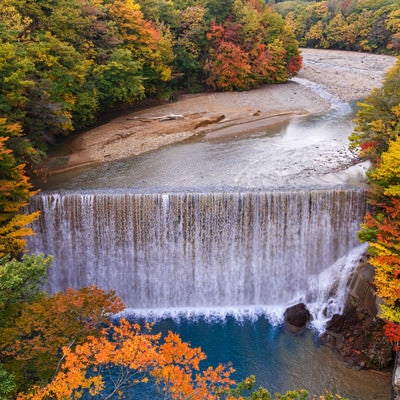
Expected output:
{"points": [[214, 239]]}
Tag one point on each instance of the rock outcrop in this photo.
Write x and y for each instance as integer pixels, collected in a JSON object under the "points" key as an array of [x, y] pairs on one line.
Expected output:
{"points": [[358, 335]]}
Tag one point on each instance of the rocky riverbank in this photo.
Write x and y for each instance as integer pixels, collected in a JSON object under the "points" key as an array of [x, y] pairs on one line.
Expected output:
{"points": [[358, 334], [347, 76]]}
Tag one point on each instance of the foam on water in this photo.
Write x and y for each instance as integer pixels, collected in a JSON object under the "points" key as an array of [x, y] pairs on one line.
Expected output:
{"points": [[274, 314], [326, 296], [215, 254]]}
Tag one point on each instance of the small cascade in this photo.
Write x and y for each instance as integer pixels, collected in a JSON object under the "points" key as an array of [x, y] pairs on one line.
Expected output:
{"points": [[203, 250], [336, 103]]}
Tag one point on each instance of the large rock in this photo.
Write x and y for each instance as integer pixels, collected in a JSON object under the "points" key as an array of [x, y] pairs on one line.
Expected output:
{"points": [[297, 315]]}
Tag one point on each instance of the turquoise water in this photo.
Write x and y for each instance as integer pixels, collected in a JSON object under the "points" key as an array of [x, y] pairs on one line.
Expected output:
{"points": [[279, 359]]}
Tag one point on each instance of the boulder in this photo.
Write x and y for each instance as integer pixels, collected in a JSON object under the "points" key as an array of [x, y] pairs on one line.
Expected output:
{"points": [[297, 315]]}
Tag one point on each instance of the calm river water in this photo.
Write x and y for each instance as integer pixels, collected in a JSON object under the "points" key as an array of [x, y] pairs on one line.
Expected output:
{"points": [[308, 153]]}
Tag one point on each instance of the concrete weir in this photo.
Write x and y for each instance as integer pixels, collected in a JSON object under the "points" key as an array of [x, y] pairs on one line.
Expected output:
{"points": [[204, 249]]}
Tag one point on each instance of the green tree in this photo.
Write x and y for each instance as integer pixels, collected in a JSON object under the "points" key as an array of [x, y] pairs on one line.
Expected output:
{"points": [[7, 385], [189, 43], [344, 24], [20, 282], [120, 79], [218, 10], [144, 41]]}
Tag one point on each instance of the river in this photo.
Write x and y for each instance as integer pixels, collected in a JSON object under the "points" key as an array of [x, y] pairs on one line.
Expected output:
{"points": [[303, 152], [213, 239]]}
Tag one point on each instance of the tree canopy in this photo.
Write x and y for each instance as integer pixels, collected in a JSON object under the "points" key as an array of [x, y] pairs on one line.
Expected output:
{"points": [[369, 26], [64, 63]]}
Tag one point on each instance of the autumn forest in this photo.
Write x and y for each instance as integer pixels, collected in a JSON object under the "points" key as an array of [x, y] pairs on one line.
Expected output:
{"points": [[66, 63]]}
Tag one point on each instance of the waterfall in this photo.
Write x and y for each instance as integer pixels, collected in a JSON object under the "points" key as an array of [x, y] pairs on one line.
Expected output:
{"points": [[201, 250]]}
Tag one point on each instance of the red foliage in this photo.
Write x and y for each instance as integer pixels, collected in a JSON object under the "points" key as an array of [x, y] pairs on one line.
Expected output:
{"points": [[345, 4], [263, 69], [392, 332], [294, 65], [368, 147], [229, 68], [215, 34], [392, 208], [233, 32]]}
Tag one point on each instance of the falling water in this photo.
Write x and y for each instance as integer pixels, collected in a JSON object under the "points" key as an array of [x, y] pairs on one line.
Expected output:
{"points": [[233, 252], [202, 250]]}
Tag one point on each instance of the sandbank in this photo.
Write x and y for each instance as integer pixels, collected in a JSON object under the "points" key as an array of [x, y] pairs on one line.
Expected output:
{"points": [[326, 75]]}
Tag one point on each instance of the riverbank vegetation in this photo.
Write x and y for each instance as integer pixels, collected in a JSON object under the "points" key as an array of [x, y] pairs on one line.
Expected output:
{"points": [[368, 26], [377, 137], [65, 63]]}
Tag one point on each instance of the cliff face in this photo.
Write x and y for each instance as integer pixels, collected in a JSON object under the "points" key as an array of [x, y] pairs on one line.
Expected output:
{"points": [[358, 335]]}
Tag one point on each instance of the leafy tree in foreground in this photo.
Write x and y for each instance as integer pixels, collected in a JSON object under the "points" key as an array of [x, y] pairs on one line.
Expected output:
{"points": [[31, 342], [20, 282], [132, 357], [128, 356]]}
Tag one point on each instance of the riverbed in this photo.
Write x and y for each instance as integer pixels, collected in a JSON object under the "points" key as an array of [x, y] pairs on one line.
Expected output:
{"points": [[345, 76]]}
